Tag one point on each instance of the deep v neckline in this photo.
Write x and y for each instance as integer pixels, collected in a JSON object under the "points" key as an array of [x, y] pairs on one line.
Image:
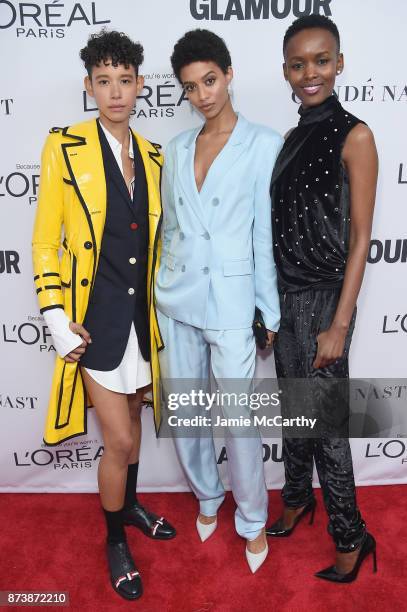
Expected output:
{"points": [[215, 159]]}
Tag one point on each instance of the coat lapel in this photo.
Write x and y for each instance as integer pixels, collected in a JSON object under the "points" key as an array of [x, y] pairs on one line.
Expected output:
{"points": [[219, 169], [186, 175], [140, 174], [152, 161], [84, 162], [225, 160]]}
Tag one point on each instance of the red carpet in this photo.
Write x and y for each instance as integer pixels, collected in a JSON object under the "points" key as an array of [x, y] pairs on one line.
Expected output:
{"points": [[55, 542]]}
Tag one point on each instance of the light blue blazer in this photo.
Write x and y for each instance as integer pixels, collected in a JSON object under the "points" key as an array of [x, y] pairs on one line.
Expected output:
{"points": [[217, 254]]}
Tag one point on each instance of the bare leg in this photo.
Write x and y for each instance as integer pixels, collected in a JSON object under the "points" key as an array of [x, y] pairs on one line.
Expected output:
{"points": [[135, 402], [136, 514], [289, 516], [112, 410]]}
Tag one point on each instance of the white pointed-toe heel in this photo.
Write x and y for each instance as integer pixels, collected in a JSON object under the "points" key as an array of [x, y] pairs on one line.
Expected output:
{"points": [[205, 531], [255, 560]]}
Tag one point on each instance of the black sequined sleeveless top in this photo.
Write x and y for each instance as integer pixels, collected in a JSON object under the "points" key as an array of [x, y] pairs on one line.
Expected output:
{"points": [[311, 200]]}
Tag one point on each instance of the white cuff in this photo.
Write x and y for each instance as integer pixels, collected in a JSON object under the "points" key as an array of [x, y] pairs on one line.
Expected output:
{"points": [[64, 339]]}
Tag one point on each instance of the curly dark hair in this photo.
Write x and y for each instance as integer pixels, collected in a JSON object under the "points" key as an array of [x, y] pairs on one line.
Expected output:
{"points": [[111, 46], [200, 46], [312, 21]]}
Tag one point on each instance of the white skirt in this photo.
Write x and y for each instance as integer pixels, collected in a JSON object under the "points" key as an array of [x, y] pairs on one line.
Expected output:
{"points": [[131, 374]]}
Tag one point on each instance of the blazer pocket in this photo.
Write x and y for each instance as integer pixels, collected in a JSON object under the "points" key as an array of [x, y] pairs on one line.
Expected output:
{"points": [[65, 269], [65, 266], [237, 267]]}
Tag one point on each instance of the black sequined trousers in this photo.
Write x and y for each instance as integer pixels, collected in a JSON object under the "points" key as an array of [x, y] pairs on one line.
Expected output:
{"points": [[304, 315]]}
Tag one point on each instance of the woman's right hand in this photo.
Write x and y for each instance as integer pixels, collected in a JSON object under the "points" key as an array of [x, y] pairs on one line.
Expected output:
{"points": [[77, 353]]}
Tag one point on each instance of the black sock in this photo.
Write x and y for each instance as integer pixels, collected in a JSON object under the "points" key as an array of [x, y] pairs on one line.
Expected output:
{"points": [[115, 526], [131, 485]]}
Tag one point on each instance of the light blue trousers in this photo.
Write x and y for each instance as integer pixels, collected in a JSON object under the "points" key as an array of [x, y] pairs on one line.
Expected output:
{"points": [[192, 353]]}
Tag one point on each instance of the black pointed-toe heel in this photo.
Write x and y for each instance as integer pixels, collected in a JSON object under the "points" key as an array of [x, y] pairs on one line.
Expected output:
{"points": [[277, 529], [367, 547]]}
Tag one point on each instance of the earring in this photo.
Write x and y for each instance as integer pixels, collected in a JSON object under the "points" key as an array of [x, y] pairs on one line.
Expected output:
{"points": [[338, 71]]}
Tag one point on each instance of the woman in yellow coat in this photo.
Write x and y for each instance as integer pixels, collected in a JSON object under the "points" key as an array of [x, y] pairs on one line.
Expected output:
{"points": [[100, 181]]}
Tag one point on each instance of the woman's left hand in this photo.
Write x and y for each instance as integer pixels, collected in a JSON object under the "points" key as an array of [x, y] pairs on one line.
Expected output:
{"points": [[331, 344]]}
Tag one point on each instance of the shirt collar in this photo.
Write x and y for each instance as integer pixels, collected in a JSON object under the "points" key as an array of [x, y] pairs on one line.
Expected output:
{"points": [[115, 145]]}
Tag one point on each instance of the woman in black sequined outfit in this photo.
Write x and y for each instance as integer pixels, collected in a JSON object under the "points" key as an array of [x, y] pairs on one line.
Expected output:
{"points": [[323, 188]]}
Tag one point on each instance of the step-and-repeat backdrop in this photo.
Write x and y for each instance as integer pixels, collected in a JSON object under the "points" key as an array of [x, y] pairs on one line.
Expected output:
{"points": [[41, 86]]}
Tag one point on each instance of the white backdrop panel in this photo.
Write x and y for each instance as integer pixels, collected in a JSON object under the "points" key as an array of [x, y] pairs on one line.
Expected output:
{"points": [[42, 86]]}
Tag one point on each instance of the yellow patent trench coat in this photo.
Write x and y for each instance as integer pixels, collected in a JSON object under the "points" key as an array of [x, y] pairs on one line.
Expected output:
{"points": [[73, 195]]}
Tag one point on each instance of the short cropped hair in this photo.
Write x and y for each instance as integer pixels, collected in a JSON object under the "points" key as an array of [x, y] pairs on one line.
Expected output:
{"points": [[111, 46], [200, 46], [312, 21]]}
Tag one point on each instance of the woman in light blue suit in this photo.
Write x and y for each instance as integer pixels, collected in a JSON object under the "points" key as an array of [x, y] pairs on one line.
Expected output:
{"points": [[216, 266]]}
